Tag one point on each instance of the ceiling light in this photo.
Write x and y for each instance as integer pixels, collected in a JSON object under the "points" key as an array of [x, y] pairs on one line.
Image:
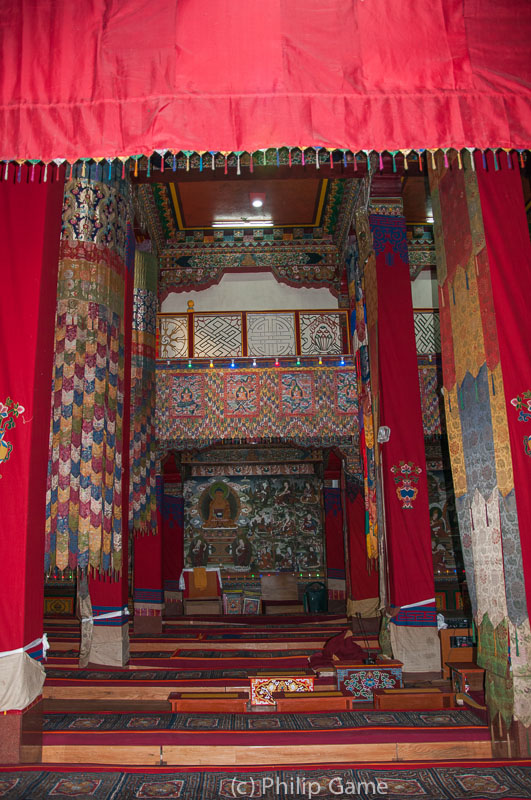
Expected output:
{"points": [[248, 223], [257, 199]]}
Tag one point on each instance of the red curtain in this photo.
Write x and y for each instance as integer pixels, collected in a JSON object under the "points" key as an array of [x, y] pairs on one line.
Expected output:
{"points": [[121, 78], [509, 251], [363, 584], [29, 254], [335, 545]]}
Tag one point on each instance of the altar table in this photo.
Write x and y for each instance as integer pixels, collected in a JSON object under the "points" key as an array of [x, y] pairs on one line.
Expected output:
{"points": [[264, 684]]}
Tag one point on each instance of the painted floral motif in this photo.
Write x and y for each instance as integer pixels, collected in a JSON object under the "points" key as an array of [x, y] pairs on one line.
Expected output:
{"points": [[362, 682], [9, 412], [161, 789], [522, 403], [70, 787], [406, 476]]}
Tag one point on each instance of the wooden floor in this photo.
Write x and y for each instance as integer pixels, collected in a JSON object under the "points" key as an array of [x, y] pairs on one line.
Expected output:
{"points": [[229, 755]]}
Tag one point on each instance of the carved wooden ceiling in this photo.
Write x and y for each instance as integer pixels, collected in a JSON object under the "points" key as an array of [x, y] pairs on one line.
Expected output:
{"points": [[203, 223], [201, 228]]}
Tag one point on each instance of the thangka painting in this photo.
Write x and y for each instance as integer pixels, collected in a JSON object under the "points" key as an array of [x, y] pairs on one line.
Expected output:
{"points": [[445, 544], [346, 392], [296, 393], [242, 394], [254, 524], [187, 398]]}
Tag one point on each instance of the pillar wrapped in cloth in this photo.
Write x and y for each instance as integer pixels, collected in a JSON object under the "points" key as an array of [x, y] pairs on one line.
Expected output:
{"points": [[29, 245], [483, 261], [88, 463], [413, 630]]}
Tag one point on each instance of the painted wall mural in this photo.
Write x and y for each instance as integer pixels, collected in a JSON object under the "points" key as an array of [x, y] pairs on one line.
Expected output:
{"points": [[254, 523]]}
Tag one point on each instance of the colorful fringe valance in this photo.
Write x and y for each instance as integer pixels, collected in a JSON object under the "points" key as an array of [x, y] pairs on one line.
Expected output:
{"points": [[168, 159]]}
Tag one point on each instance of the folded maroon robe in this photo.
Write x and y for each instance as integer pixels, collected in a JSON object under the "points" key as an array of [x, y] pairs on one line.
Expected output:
{"points": [[343, 647]]}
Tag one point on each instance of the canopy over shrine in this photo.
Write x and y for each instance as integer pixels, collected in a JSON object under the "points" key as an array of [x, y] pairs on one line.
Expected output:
{"points": [[112, 79]]}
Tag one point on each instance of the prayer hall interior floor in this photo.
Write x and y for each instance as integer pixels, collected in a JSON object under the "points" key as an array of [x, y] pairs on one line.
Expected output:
{"points": [[109, 732], [115, 715]]}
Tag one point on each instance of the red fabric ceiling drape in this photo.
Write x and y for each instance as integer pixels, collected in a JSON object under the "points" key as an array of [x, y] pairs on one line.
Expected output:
{"points": [[122, 77]]}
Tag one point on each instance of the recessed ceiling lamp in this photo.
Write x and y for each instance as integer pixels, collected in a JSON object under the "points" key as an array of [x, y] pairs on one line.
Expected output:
{"points": [[257, 199], [249, 222]]}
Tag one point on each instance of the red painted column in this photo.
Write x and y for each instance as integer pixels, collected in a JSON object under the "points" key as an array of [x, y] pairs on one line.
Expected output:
{"points": [[30, 214]]}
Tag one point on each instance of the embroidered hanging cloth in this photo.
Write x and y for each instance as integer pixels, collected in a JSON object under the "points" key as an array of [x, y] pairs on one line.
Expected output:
{"points": [[115, 79]]}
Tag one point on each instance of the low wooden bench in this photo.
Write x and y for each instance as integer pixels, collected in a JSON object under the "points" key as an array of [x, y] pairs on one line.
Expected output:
{"points": [[461, 670], [235, 702], [312, 701], [413, 699]]}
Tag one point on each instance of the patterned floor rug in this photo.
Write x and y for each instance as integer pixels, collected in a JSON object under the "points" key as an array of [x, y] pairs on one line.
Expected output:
{"points": [[493, 780], [237, 653], [252, 722], [143, 675]]}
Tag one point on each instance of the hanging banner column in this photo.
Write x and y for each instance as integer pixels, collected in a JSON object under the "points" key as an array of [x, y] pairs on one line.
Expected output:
{"points": [[403, 461], [29, 248], [483, 263], [86, 524]]}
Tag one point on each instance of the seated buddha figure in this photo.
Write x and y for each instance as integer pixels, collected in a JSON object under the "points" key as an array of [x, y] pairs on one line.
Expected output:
{"points": [[219, 514]]}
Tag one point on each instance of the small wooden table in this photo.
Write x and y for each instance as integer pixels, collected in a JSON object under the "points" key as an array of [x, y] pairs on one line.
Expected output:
{"points": [[360, 680], [462, 672], [264, 683], [413, 699], [302, 702], [235, 702]]}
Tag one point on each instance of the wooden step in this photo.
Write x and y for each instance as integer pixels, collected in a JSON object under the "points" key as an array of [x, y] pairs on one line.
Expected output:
{"points": [[300, 702], [239, 755]]}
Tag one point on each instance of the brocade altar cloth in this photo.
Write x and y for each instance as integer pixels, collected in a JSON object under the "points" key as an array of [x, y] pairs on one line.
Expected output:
{"points": [[360, 680]]}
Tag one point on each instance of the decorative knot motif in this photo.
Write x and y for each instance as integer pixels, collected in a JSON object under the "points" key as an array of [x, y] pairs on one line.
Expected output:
{"points": [[522, 403], [9, 411], [406, 476]]}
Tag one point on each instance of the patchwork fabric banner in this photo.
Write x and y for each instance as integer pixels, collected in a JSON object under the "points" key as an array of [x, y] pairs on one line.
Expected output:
{"points": [[430, 379], [84, 496], [143, 450], [481, 236], [196, 407], [359, 331]]}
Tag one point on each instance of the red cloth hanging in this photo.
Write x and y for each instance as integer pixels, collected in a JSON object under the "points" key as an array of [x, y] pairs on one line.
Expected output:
{"points": [[117, 79], [363, 584], [403, 456], [29, 253]]}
